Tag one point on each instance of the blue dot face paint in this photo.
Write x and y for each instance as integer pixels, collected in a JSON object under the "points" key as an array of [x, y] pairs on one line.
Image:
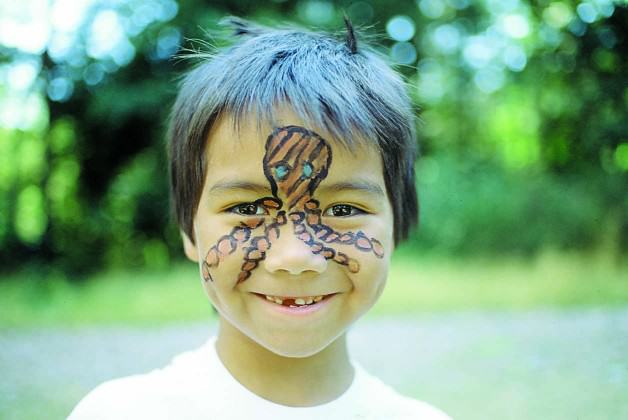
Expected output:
{"points": [[307, 170], [281, 171], [287, 149]]}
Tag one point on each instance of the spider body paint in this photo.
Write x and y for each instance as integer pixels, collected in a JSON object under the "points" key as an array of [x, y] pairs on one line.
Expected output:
{"points": [[295, 162]]}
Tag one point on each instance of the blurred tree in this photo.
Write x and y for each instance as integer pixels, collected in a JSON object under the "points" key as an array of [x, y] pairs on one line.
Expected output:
{"points": [[523, 108]]}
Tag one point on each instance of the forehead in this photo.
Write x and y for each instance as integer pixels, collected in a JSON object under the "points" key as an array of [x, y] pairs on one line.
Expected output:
{"points": [[239, 154], [292, 144]]}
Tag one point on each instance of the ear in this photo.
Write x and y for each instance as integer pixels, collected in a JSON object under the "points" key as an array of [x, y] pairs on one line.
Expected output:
{"points": [[189, 248]]}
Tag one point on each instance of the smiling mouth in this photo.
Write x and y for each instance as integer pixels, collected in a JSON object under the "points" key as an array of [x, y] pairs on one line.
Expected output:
{"points": [[295, 302]]}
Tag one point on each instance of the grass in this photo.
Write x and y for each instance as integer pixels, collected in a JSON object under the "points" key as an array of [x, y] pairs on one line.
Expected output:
{"points": [[550, 280], [114, 297], [416, 284]]}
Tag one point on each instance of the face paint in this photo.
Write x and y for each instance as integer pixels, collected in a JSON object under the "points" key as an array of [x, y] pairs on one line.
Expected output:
{"points": [[295, 162]]}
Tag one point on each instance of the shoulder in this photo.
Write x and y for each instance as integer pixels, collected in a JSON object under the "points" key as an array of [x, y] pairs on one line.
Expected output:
{"points": [[144, 395], [410, 408], [112, 399], [385, 399]]}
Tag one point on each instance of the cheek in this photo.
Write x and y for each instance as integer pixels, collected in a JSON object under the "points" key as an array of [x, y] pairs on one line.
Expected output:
{"points": [[374, 260], [225, 273], [366, 262], [372, 268], [369, 282], [224, 254]]}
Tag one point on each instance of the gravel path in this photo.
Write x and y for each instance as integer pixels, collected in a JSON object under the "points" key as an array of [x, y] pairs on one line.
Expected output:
{"points": [[543, 364]]}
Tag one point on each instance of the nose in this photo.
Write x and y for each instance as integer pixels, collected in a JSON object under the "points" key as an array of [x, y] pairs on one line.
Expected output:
{"points": [[290, 254]]}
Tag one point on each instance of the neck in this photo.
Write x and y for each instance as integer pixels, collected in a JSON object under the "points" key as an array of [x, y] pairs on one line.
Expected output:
{"points": [[290, 381]]}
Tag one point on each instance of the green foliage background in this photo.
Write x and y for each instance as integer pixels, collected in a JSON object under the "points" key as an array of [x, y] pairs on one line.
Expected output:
{"points": [[523, 125]]}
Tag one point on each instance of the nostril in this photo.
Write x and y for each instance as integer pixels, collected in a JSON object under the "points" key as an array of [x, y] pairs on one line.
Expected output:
{"points": [[294, 259]]}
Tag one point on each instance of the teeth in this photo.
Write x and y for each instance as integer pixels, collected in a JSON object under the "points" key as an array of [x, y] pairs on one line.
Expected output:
{"points": [[298, 301]]}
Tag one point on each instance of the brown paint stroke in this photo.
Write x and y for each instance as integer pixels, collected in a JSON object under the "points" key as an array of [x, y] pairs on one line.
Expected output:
{"points": [[295, 162]]}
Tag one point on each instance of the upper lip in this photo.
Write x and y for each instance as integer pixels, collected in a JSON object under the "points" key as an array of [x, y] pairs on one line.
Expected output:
{"points": [[294, 296]]}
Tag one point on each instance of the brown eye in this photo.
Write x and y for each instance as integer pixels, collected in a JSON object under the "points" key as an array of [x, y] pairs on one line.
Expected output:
{"points": [[248, 209], [342, 210]]}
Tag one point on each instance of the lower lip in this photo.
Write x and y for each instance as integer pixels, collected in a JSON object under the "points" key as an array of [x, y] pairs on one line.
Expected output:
{"points": [[299, 310]]}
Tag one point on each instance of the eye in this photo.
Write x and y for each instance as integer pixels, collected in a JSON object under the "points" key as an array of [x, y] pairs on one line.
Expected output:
{"points": [[342, 210], [248, 209]]}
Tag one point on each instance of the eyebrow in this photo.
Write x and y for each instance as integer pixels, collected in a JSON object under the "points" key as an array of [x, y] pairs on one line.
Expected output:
{"points": [[239, 186], [245, 186], [357, 186]]}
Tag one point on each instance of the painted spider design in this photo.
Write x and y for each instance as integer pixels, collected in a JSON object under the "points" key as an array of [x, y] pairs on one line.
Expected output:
{"points": [[295, 162]]}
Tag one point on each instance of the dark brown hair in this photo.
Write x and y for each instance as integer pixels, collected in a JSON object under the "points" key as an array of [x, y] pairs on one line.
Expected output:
{"points": [[345, 88]]}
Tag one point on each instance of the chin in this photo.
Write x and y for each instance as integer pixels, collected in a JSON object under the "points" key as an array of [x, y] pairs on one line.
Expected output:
{"points": [[297, 346]]}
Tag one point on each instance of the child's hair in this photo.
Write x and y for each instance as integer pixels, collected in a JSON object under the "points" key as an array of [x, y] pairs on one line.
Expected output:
{"points": [[339, 85]]}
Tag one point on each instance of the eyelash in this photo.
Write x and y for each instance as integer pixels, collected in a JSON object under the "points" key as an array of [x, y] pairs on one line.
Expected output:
{"points": [[354, 211], [233, 209]]}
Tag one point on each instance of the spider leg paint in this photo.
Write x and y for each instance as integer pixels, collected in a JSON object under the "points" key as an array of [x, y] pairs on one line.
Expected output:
{"points": [[296, 161], [228, 244], [301, 231], [329, 235], [256, 252]]}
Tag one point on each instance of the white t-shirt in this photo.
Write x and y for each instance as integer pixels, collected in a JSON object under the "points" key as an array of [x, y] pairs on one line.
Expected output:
{"points": [[196, 385]]}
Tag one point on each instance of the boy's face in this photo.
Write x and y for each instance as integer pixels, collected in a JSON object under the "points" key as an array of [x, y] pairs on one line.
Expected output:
{"points": [[291, 214]]}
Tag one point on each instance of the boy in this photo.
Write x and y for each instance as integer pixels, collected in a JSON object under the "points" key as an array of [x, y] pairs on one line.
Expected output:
{"points": [[292, 178]]}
